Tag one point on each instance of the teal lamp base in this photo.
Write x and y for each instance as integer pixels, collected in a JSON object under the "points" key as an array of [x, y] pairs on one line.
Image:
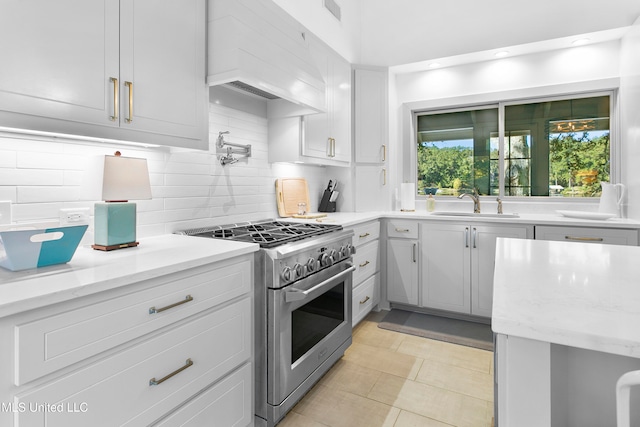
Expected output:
{"points": [[115, 226]]}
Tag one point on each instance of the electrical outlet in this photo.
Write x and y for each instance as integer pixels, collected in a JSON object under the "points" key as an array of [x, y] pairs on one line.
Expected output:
{"points": [[5, 212], [74, 216]]}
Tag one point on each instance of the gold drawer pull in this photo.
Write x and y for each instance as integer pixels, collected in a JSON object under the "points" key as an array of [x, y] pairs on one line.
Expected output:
{"points": [[584, 239], [187, 364], [187, 299], [365, 300], [402, 230], [362, 236], [115, 99], [130, 86], [364, 264]]}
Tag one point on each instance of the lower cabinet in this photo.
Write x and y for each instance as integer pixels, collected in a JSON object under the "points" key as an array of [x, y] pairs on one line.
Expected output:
{"points": [[614, 236], [457, 262], [402, 261], [366, 278], [174, 350]]}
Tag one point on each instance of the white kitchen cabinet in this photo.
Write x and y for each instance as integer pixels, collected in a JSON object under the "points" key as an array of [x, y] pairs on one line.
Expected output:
{"points": [[106, 69], [328, 135], [371, 117], [366, 277], [322, 138], [402, 261], [612, 236], [151, 349], [457, 262]]}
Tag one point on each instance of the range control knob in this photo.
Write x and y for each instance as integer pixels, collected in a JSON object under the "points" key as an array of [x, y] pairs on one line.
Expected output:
{"points": [[344, 252], [334, 256], [312, 265], [351, 249], [325, 260], [299, 270], [287, 273]]}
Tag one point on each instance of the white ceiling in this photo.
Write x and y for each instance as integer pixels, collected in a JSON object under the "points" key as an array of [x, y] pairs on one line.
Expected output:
{"points": [[395, 32]]}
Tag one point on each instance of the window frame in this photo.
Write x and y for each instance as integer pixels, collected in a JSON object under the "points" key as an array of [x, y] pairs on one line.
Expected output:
{"points": [[614, 155]]}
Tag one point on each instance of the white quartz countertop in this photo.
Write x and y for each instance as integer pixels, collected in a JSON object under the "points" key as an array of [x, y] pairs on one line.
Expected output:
{"points": [[576, 294], [347, 219], [91, 271]]}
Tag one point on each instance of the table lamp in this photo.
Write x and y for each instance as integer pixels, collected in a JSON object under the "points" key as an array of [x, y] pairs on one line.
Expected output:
{"points": [[123, 179]]}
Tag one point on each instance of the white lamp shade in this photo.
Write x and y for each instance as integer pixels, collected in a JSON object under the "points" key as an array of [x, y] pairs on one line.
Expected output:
{"points": [[125, 178]]}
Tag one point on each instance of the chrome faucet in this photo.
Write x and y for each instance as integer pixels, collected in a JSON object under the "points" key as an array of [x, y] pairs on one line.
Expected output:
{"points": [[476, 199]]}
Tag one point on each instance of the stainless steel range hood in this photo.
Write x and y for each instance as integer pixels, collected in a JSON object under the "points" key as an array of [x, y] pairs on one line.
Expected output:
{"points": [[255, 46]]}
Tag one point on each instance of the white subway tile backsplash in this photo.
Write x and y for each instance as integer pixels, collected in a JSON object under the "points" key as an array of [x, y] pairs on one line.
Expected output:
{"points": [[29, 177], [190, 188]]}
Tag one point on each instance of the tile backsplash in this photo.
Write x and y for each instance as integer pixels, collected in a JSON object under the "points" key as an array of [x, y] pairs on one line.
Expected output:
{"points": [[41, 175]]}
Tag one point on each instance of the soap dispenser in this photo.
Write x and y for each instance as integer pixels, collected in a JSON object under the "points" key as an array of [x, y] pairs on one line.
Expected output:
{"points": [[431, 203]]}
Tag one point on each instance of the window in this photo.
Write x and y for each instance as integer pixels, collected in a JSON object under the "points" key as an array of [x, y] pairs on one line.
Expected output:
{"points": [[558, 148]]}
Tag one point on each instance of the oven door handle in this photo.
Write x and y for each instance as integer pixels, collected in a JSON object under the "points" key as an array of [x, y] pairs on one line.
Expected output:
{"points": [[295, 294]]}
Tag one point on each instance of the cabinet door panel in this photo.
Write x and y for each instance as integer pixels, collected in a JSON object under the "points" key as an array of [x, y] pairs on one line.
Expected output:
{"points": [[57, 60], [483, 258], [162, 55], [402, 271], [370, 116], [445, 261]]}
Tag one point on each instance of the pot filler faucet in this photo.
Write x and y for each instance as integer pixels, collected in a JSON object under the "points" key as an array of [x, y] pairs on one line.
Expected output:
{"points": [[476, 199]]}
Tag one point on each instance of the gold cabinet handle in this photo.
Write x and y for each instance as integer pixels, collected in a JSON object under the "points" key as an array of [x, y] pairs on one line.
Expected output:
{"points": [[365, 264], [413, 250], [130, 86], [153, 380], [384, 153], [362, 236], [115, 99], [384, 176], [365, 300], [154, 310], [402, 230], [584, 239]]}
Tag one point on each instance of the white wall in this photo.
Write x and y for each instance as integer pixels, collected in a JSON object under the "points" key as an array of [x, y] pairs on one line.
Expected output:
{"points": [[565, 71], [630, 116], [190, 188], [343, 36]]}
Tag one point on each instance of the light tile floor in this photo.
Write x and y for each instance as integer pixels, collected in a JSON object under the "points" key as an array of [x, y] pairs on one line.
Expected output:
{"points": [[390, 379]]}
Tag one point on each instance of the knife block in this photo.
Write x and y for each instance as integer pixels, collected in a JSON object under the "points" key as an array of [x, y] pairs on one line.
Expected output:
{"points": [[325, 204]]}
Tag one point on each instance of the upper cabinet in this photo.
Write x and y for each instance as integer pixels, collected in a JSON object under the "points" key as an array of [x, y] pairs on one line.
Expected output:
{"points": [[328, 135], [321, 138], [371, 117], [125, 70]]}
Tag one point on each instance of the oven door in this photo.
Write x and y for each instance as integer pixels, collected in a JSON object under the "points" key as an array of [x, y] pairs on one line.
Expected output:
{"points": [[307, 322]]}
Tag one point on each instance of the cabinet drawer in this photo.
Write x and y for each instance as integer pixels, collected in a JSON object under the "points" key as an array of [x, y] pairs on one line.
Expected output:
{"points": [[402, 228], [366, 262], [119, 388], [228, 403], [365, 297], [588, 235], [51, 343], [366, 233]]}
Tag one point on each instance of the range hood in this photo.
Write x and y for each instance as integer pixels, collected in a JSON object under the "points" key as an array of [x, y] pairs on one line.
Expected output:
{"points": [[255, 46]]}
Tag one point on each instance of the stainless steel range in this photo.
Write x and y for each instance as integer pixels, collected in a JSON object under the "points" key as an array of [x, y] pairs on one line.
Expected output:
{"points": [[303, 277]]}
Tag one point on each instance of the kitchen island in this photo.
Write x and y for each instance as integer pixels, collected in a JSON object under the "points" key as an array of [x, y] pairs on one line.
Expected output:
{"points": [[566, 319]]}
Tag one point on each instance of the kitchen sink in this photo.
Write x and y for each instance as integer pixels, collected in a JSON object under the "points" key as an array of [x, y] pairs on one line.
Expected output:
{"points": [[476, 215]]}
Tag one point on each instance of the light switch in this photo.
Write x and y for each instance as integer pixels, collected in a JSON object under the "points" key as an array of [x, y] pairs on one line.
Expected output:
{"points": [[5, 212]]}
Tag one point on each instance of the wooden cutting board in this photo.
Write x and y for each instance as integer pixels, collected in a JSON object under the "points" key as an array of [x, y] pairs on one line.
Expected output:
{"points": [[290, 192]]}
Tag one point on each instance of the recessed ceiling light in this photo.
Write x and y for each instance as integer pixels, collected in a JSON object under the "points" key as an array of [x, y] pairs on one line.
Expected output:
{"points": [[434, 65], [502, 54], [580, 42]]}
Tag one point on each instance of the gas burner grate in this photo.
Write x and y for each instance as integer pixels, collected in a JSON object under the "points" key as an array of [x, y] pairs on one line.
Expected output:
{"points": [[267, 233]]}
